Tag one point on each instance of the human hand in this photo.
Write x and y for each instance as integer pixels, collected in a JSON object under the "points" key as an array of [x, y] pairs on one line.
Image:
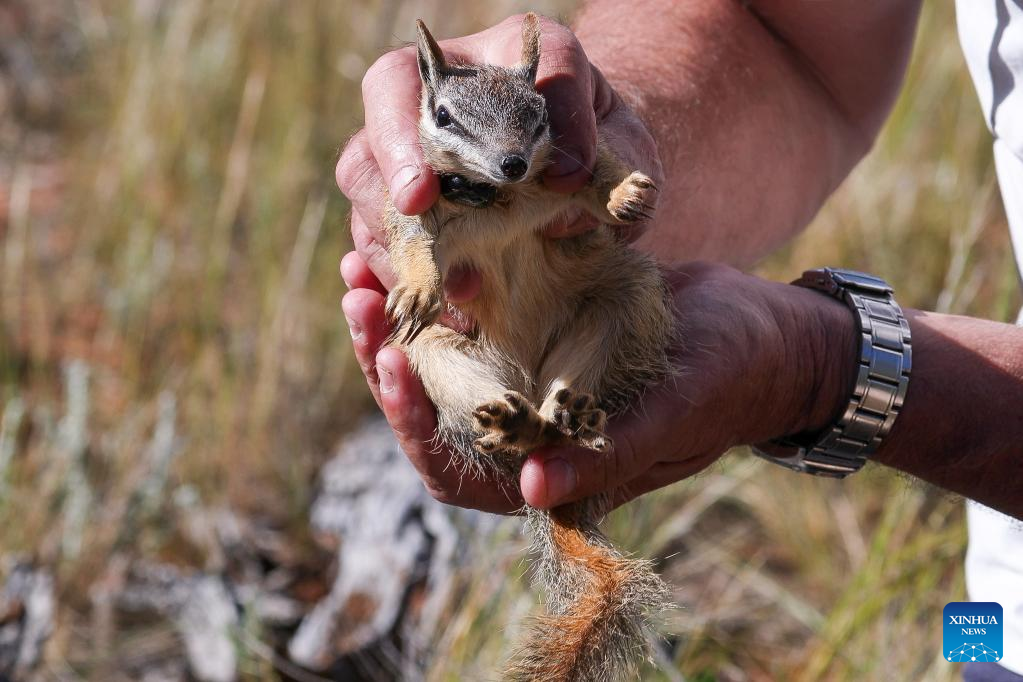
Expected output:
{"points": [[385, 155], [757, 360]]}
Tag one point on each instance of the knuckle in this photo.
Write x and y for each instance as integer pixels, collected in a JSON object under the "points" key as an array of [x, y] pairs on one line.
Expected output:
{"points": [[356, 167], [563, 56], [360, 234], [550, 28], [366, 244], [514, 20], [513, 23], [561, 47], [561, 35], [369, 371], [376, 74]]}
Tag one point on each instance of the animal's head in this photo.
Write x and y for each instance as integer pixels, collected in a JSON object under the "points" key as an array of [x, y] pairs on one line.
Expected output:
{"points": [[485, 122]]}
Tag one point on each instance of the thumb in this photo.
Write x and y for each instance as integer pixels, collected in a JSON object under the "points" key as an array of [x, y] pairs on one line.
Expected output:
{"points": [[566, 80], [555, 476]]}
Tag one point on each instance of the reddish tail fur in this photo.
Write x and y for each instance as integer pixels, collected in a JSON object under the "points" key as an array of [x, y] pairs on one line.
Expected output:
{"points": [[600, 604]]}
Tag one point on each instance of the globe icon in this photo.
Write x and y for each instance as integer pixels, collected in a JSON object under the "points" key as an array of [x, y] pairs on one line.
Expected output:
{"points": [[973, 652]]}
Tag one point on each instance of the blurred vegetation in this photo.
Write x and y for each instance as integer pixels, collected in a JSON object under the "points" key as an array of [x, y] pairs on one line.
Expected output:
{"points": [[169, 236]]}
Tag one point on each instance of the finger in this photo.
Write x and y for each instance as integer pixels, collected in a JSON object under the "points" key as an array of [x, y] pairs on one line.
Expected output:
{"points": [[414, 421], [558, 475], [357, 275], [370, 266], [627, 138], [565, 79], [358, 177], [364, 312], [462, 284], [390, 93], [372, 252]]}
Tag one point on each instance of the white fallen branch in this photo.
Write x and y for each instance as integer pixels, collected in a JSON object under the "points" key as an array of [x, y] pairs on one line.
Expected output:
{"points": [[27, 608], [202, 609], [393, 538]]}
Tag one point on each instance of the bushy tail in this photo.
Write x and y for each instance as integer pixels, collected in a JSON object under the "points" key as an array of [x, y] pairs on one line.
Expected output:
{"points": [[599, 603]]}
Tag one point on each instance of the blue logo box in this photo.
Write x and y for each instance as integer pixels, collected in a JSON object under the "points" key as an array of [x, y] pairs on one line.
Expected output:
{"points": [[972, 631]]}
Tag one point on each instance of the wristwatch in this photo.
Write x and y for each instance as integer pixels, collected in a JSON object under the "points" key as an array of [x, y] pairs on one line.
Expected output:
{"points": [[884, 364]]}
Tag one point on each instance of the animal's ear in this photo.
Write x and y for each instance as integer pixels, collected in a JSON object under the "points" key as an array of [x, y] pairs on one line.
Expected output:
{"points": [[530, 46], [431, 60]]}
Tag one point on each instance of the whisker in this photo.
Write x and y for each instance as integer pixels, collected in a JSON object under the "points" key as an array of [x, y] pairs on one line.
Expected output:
{"points": [[577, 160]]}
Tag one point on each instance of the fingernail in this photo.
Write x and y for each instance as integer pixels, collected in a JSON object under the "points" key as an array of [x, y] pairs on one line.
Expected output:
{"points": [[566, 162], [386, 379], [560, 479], [403, 178], [354, 328], [347, 283]]}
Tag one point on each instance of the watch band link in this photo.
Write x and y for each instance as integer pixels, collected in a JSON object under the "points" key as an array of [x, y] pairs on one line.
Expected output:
{"points": [[884, 365]]}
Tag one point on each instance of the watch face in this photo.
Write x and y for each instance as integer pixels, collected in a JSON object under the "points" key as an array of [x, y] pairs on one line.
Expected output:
{"points": [[860, 280]]}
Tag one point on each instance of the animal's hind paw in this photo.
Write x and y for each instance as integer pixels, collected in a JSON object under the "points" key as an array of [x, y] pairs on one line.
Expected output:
{"points": [[510, 424], [634, 199], [577, 416]]}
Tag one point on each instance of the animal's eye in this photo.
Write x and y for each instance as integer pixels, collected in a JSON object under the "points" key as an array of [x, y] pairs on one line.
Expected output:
{"points": [[541, 126], [443, 117]]}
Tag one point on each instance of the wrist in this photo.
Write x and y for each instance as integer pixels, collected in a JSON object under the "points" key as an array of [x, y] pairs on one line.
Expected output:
{"points": [[814, 363], [784, 356]]}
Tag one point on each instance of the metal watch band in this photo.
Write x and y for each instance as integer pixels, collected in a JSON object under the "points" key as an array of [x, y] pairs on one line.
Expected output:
{"points": [[885, 361]]}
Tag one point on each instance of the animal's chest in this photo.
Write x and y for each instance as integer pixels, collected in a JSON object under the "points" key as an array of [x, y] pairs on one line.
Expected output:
{"points": [[478, 235], [518, 304], [504, 242]]}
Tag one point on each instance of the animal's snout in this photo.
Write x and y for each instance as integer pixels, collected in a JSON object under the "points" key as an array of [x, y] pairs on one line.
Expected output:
{"points": [[514, 166]]}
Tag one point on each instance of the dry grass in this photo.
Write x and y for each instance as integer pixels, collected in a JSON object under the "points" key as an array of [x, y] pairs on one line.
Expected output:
{"points": [[172, 340]]}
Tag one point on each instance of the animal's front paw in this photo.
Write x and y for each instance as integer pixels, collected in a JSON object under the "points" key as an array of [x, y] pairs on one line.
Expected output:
{"points": [[413, 308], [577, 416], [511, 424], [634, 199]]}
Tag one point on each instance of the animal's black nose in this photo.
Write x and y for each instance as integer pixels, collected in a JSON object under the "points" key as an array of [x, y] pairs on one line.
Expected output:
{"points": [[514, 167]]}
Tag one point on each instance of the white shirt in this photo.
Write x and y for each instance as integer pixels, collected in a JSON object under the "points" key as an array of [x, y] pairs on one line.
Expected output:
{"points": [[991, 33]]}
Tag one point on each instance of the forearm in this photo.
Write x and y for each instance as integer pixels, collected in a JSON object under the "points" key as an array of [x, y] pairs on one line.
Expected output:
{"points": [[757, 118], [962, 424]]}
